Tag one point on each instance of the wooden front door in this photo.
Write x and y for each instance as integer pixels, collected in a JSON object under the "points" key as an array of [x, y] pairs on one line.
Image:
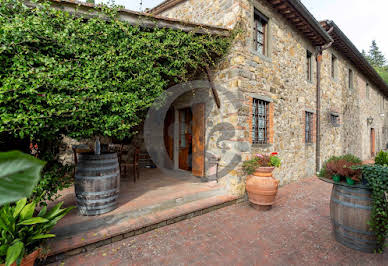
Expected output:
{"points": [[199, 140], [372, 142], [185, 139]]}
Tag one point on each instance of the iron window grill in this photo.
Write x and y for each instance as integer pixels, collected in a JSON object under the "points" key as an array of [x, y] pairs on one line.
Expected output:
{"points": [[309, 127], [260, 122], [260, 27]]}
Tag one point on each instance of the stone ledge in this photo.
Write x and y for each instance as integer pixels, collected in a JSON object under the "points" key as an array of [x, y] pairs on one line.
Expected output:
{"points": [[73, 246]]}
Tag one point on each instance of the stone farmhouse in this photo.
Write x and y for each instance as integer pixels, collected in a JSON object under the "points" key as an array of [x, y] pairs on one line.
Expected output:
{"points": [[267, 87], [272, 67]]}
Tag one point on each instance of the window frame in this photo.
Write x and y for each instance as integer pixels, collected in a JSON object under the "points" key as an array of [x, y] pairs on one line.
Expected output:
{"points": [[334, 61], [308, 127], [334, 119], [259, 17], [309, 65], [256, 124], [350, 79]]}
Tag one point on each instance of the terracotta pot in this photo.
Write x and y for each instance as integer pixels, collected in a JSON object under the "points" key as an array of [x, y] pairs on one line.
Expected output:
{"points": [[262, 187], [28, 260]]}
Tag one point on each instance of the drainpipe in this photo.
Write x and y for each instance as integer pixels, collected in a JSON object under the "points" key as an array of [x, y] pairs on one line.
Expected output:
{"points": [[319, 50]]}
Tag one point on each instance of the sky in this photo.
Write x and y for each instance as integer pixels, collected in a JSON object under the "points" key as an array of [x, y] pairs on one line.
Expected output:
{"points": [[362, 21]]}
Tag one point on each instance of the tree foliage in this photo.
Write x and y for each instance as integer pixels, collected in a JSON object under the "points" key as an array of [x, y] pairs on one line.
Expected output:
{"points": [[63, 74], [377, 59]]}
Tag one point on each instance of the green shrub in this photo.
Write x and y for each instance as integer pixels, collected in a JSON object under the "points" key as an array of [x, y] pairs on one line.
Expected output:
{"points": [[54, 178], [376, 177], [382, 158], [260, 160], [332, 166], [22, 232]]}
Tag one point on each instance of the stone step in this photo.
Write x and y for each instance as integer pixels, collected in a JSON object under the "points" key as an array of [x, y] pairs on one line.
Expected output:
{"points": [[82, 237]]}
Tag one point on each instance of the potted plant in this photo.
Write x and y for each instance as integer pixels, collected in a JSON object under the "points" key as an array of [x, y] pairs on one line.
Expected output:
{"points": [[22, 231], [260, 184], [358, 206]]}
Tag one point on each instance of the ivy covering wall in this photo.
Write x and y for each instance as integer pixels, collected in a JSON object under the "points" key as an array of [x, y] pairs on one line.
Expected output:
{"points": [[65, 74]]}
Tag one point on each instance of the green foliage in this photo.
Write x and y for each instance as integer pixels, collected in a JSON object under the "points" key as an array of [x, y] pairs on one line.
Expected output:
{"points": [[376, 58], [55, 178], [275, 161], [19, 173], [250, 166], [22, 232], [382, 158], [383, 72], [260, 160], [377, 181], [341, 166], [63, 74]]}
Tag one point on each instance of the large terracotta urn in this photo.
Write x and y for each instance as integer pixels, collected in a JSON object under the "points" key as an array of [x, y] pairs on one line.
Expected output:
{"points": [[262, 187]]}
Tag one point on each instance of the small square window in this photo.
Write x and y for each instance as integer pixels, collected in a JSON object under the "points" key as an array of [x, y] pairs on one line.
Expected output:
{"points": [[334, 119], [309, 62]]}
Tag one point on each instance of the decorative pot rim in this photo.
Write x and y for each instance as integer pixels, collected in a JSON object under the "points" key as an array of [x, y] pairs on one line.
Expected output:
{"points": [[265, 169]]}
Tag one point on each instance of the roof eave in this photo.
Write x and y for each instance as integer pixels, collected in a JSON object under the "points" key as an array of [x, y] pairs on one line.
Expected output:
{"points": [[299, 16]]}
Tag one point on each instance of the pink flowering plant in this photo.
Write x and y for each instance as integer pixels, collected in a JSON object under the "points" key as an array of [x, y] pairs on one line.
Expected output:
{"points": [[261, 160]]}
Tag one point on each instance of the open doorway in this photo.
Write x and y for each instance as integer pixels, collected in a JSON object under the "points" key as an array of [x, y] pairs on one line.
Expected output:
{"points": [[184, 138]]}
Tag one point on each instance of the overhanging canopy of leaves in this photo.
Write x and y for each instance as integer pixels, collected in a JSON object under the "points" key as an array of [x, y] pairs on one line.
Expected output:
{"points": [[64, 74]]}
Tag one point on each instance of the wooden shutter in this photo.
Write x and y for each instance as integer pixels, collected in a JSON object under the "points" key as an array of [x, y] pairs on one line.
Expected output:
{"points": [[198, 140]]}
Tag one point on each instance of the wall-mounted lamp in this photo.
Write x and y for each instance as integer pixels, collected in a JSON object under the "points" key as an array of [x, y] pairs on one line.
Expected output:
{"points": [[369, 120]]}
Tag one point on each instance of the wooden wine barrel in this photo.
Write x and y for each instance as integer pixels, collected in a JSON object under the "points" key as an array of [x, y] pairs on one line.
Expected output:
{"points": [[350, 211], [97, 183]]}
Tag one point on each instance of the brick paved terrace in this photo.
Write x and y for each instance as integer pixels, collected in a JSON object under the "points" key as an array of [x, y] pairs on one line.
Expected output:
{"points": [[297, 231]]}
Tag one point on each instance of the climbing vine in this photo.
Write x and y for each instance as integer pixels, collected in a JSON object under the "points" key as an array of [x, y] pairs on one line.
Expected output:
{"points": [[63, 74], [376, 177], [80, 76]]}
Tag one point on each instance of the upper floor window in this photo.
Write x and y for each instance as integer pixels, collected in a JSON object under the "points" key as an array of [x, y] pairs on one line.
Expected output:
{"points": [[309, 62], [333, 65], [260, 122], [367, 93], [309, 127], [350, 77], [260, 32]]}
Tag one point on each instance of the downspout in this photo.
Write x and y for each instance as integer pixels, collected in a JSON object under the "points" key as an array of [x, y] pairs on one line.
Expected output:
{"points": [[319, 50]]}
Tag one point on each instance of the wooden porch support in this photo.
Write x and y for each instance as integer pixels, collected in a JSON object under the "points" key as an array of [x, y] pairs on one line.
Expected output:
{"points": [[213, 87]]}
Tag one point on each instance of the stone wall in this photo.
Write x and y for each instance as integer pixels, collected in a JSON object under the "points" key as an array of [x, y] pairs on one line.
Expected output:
{"points": [[280, 76], [216, 12]]}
